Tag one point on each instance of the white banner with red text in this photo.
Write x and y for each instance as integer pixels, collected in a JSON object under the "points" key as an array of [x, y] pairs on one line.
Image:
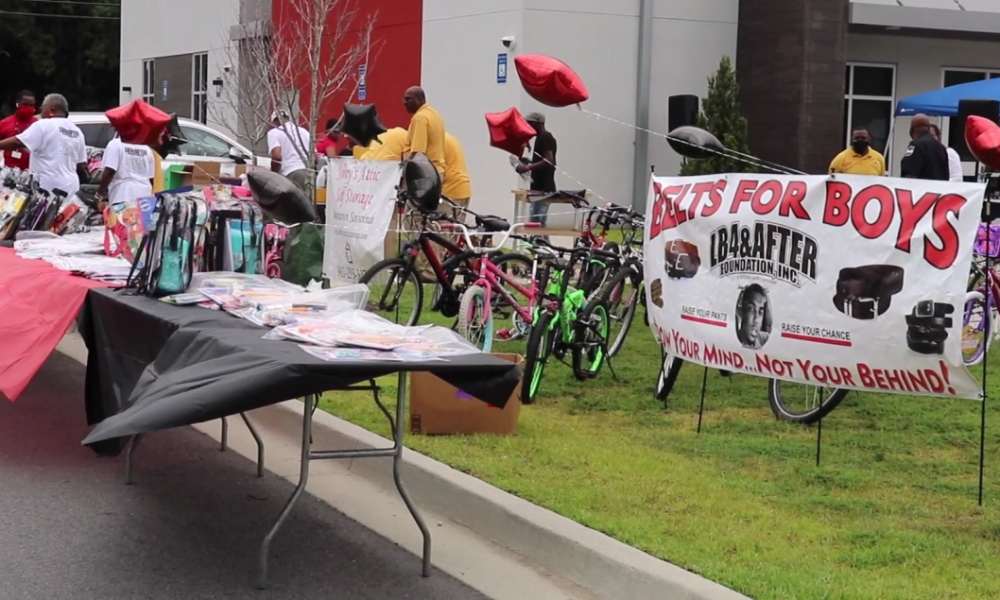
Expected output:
{"points": [[837, 281], [360, 200]]}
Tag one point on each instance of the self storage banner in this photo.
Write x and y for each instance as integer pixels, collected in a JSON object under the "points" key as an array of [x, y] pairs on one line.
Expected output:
{"points": [[360, 200], [847, 281]]}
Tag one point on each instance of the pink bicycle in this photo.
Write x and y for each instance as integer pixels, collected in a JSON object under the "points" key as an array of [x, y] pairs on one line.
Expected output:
{"points": [[475, 313]]}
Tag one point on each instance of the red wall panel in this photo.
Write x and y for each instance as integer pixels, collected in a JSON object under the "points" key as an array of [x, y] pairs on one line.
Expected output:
{"points": [[394, 62]]}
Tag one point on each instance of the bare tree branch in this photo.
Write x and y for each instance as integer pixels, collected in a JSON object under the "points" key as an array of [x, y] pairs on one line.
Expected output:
{"points": [[310, 56], [246, 101], [318, 58]]}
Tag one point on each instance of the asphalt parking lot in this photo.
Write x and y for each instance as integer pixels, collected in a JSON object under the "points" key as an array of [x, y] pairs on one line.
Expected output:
{"points": [[189, 529]]}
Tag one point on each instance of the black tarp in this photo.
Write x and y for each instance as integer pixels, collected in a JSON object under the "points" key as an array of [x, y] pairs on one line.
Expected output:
{"points": [[153, 366]]}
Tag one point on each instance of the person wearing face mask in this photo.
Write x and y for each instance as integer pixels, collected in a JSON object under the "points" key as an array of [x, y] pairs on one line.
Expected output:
{"points": [[860, 158], [23, 117], [57, 146]]}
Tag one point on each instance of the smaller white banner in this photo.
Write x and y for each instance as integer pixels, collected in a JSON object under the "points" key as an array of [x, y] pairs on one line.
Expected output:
{"points": [[360, 199]]}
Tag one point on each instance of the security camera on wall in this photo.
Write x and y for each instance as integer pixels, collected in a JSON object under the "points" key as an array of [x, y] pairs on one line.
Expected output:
{"points": [[508, 42], [228, 68]]}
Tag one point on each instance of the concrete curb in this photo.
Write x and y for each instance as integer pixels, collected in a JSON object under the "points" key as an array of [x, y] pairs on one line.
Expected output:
{"points": [[549, 542]]}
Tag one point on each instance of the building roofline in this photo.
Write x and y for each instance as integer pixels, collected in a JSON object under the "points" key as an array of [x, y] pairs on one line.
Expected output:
{"points": [[933, 19]]}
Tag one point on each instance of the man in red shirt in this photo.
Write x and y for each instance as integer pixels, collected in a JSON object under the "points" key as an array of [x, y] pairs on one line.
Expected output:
{"points": [[14, 125]]}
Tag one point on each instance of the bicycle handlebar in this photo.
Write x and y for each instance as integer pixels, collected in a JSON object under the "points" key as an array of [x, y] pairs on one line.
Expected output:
{"points": [[505, 235]]}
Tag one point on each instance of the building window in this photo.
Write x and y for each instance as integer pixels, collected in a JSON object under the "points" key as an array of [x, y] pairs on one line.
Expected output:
{"points": [[199, 88], [955, 134], [870, 92], [148, 82]]}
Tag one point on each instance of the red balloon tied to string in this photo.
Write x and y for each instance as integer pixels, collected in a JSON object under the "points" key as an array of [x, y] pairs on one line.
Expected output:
{"points": [[509, 131], [983, 138], [550, 80], [138, 122]]}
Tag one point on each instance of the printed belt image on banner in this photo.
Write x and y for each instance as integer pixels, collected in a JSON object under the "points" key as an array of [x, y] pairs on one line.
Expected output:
{"points": [[846, 282]]}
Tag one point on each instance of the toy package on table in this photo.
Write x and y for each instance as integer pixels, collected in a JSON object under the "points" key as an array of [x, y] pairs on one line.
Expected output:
{"points": [[125, 224]]}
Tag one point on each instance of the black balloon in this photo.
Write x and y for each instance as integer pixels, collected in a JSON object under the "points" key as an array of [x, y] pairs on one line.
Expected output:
{"points": [[279, 198], [172, 139], [423, 182], [361, 122], [694, 143]]}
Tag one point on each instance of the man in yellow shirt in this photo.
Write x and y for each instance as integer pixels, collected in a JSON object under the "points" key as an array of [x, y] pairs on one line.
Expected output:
{"points": [[390, 145], [426, 133], [455, 183], [860, 158]]}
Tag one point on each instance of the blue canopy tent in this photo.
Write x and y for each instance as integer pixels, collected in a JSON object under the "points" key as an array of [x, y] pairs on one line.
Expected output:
{"points": [[944, 102]]}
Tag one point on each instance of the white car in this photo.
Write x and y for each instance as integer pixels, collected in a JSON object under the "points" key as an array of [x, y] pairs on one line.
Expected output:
{"points": [[204, 144]]}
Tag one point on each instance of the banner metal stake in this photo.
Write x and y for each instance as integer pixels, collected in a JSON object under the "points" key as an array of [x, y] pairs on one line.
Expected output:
{"points": [[819, 439], [701, 409]]}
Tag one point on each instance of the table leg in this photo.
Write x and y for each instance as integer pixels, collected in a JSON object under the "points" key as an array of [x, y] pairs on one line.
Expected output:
{"points": [[128, 459], [397, 461], [265, 547], [225, 435], [260, 443]]}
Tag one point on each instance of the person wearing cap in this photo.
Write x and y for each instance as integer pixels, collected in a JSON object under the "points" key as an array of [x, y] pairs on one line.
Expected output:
{"points": [[288, 143], [925, 158], [542, 165], [426, 131]]}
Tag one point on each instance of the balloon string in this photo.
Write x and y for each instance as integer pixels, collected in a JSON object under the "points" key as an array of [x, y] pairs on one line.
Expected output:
{"points": [[731, 154]]}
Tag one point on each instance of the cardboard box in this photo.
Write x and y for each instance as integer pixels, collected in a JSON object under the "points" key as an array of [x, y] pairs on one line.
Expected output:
{"points": [[209, 173], [439, 408]]}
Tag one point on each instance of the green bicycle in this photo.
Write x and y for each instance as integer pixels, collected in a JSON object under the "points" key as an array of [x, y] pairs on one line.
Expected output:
{"points": [[559, 328]]}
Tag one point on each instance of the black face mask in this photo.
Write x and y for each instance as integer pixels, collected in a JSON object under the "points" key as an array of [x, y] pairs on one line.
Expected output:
{"points": [[860, 146]]}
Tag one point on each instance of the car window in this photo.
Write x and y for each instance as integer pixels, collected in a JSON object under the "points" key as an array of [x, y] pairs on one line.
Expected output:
{"points": [[96, 135], [202, 143]]}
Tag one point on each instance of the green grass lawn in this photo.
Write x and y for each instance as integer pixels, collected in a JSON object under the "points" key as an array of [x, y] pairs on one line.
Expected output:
{"points": [[890, 514]]}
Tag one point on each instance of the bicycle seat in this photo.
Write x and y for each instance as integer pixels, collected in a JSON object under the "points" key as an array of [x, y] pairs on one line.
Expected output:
{"points": [[492, 224]]}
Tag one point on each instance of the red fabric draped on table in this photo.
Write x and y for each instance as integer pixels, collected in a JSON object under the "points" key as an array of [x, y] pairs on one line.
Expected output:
{"points": [[38, 303]]}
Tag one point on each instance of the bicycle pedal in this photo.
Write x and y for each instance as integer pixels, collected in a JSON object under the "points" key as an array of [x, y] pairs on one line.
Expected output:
{"points": [[505, 335]]}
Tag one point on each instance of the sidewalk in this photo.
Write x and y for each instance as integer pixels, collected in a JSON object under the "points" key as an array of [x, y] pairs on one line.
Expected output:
{"points": [[504, 547]]}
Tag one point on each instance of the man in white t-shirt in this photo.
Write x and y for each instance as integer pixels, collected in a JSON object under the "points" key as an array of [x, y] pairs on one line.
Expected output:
{"points": [[287, 144], [954, 160], [128, 172], [57, 146]]}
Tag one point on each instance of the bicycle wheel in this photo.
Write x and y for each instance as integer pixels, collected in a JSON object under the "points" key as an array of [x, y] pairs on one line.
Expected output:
{"points": [[590, 343], [976, 327], [669, 370], [475, 323], [391, 297], [518, 267], [537, 354], [801, 403], [621, 295]]}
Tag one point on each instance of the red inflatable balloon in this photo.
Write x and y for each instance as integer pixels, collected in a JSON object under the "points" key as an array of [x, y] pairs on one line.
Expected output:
{"points": [[983, 138], [550, 81], [139, 123], [509, 131]]}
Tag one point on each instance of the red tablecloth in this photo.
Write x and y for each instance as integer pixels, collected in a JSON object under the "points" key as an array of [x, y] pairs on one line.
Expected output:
{"points": [[37, 305]]}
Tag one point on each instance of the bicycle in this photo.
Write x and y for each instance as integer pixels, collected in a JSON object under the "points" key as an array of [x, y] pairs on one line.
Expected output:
{"points": [[400, 270], [560, 327], [623, 289], [983, 298], [475, 314]]}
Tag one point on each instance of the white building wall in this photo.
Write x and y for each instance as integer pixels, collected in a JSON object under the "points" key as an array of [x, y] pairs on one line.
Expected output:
{"points": [[920, 64], [461, 41], [599, 40], [154, 28], [690, 37]]}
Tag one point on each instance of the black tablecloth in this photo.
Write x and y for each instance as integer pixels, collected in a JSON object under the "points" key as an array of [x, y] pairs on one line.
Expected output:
{"points": [[154, 366]]}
